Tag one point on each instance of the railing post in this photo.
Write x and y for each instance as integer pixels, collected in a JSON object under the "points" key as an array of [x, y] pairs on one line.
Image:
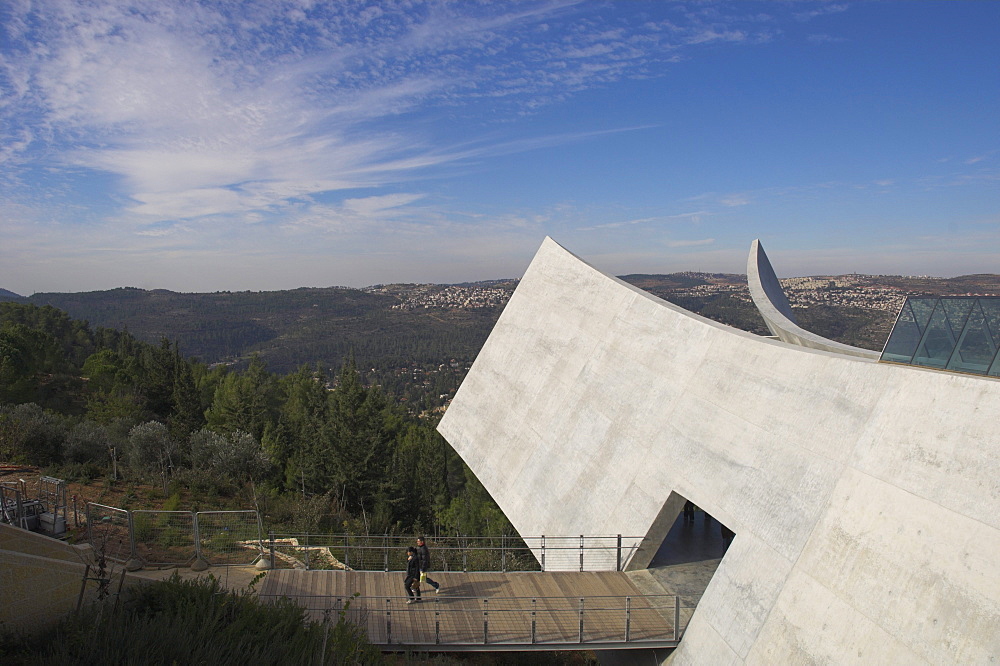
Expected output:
{"points": [[581, 620], [677, 617], [628, 618], [486, 621], [618, 564], [533, 627], [306, 551], [131, 536], [197, 536], [385, 552], [581, 552], [503, 553], [388, 621], [437, 623], [347, 551], [271, 548], [543, 552]]}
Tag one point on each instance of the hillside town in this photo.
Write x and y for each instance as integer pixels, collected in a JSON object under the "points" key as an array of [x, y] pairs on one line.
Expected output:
{"points": [[451, 297]]}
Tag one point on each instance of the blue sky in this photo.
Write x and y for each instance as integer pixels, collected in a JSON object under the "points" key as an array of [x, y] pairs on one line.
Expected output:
{"points": [[200, 146]]}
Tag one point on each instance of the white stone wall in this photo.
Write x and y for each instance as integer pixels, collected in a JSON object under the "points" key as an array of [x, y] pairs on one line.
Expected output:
{"points": [[865, 496]]}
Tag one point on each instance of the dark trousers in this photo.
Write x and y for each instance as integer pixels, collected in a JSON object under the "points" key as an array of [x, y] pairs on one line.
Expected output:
{"points": [[429, 581], [412, 585]]}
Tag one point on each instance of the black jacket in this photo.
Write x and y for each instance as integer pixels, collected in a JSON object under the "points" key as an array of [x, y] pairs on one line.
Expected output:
{"points": [[424, 556], [413, 567]]}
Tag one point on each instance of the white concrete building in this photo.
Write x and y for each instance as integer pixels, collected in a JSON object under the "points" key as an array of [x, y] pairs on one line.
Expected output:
{"points": [[865, 496]]}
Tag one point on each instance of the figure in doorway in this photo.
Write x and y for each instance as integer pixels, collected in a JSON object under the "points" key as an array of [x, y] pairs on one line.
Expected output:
{"points": [[688, 511]]}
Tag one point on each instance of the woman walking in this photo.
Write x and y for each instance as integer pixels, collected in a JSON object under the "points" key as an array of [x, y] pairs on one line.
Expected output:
{"points": [[412, 580]]}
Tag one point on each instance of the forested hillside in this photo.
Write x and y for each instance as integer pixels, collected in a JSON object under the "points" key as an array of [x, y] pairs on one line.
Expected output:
{"points": [[86, 403], [416, 341]]}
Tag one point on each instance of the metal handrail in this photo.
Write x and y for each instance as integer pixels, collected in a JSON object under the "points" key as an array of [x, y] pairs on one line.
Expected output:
{"points": [[453, 553], [616, 624]]}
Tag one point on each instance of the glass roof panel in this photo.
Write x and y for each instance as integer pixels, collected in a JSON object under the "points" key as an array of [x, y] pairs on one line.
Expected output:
{"points": [[922, 309], [957, 311], [991, 309], [960, 333], [937, 343], [904, 337], [976, 346]]}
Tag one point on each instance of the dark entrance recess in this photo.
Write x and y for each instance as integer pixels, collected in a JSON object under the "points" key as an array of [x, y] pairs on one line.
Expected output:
{"points": [[690, 552]]}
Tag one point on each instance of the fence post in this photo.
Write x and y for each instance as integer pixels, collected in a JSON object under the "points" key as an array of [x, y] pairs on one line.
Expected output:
{"points": [[347, 551], [581, 552], [271, 548], [628, 618], [200, 563], [486, 621], [543, 552], [677, 617], [305, 550], [437, 623], [133, 563], [503, 553], [581, 620], [385, 551], [533, 628], [618, 565], [388, 621]]}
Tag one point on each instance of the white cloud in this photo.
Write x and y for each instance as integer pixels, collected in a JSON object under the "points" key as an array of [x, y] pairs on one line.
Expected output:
{"points": [[734, 200], [371, 206], [690, 243]]}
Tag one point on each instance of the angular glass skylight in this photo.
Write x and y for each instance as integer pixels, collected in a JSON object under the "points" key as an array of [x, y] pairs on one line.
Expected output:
{"points": [[960, 333]]}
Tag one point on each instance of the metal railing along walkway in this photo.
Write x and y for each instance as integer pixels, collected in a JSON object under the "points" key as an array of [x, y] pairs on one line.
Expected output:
{"points": [[477, 612], [454, 553]]}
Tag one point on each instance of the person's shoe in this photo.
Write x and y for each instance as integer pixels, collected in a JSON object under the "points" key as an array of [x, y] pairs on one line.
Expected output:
{"points": [[412, 601], [437, 590]]}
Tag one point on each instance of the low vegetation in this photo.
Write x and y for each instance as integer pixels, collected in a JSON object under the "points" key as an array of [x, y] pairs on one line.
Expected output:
{"points": [[192, 622]]}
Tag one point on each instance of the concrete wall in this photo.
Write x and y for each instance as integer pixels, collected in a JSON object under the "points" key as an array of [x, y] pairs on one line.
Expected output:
{"points": [[40, 578], [865, 497]]}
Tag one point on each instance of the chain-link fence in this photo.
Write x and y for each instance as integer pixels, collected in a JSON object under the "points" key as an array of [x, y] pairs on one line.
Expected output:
{"points": [[229, 537], [109, 531], [180, 538], [164, 537]]}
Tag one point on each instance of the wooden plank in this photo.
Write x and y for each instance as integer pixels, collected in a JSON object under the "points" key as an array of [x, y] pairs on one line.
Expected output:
{"points": [[459, 610]]}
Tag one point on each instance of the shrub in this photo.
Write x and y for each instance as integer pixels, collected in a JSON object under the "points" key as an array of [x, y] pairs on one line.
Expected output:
{"points": [[193, 622]]}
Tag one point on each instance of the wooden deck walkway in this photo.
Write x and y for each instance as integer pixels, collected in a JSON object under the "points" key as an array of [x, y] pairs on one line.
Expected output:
{"points": [[482, 611]]}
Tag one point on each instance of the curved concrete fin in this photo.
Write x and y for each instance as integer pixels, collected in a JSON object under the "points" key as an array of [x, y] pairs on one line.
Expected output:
{"points": [[759, 267], [773, 305]]}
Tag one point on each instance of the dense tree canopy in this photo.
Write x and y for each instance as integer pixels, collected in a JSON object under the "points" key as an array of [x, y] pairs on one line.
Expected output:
{"points": [[72, 396]]}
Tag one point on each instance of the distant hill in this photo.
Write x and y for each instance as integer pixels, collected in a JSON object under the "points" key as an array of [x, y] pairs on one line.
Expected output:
{"points": [[384, 325], [391, 327], [11, 296]]}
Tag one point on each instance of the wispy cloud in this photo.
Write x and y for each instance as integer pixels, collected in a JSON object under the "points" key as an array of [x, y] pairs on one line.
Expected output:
{"points": [[690, 243], [821, 9], [695, 217], [202, 109]]}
